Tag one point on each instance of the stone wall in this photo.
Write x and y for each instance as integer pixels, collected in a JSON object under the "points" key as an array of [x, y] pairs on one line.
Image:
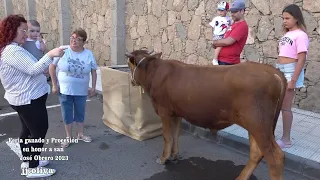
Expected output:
{"points": [[95, 18], [2, 11], [266, 28], [180, 29], [48, 17], [20, 7]]}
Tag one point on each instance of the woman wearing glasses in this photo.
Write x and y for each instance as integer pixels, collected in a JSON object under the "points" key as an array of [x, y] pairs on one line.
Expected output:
{"points": [[26, 90], [71, 82]]}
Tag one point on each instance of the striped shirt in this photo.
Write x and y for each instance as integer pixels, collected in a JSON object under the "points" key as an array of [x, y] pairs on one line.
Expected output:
{"points": [[22, 75]]}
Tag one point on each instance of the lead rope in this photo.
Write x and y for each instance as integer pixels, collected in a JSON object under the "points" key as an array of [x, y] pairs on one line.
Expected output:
{"points": [[129, 93], [129, 82]]}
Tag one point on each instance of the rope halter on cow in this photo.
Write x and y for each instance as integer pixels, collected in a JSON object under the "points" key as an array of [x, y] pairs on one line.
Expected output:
{"points": [[134, 70]]}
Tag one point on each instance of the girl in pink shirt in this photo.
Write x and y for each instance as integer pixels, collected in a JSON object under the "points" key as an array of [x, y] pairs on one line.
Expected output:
{"points": [[293, 48]]}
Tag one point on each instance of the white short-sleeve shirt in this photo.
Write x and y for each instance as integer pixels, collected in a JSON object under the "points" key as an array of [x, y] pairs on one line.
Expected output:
{"points": [[74, 71]]}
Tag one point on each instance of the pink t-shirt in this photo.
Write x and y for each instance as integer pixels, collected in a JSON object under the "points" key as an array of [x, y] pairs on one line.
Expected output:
{"points": [[293, 43]]}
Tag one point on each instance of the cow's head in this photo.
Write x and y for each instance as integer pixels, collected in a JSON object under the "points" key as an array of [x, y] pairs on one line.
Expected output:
{"points": [[136, 58]]}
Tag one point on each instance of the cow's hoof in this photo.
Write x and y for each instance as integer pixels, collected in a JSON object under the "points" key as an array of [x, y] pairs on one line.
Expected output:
{"points": [[174, 157], [159, 161], [175, 161]]}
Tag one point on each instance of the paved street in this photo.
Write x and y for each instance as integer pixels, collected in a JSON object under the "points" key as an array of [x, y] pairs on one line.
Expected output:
{"points": [[113, 156]]}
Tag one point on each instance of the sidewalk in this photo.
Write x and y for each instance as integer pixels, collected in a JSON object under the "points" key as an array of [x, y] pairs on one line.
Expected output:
{"points": [[303, 157], [305, 134]]}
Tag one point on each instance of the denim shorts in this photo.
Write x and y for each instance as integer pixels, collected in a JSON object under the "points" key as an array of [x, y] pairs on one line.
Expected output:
{"points": [[73, 108], [288, 70]]}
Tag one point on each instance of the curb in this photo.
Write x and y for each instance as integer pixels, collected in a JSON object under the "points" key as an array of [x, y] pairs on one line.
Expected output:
{"points": [[297, 164]]}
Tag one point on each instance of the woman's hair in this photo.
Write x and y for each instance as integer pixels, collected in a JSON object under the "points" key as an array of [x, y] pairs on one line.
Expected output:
{"points": [[295, 11], [8, 29], [80, 33]]}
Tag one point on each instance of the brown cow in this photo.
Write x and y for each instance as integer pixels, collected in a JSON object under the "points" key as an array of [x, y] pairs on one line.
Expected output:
{"points": [[215, 97]]}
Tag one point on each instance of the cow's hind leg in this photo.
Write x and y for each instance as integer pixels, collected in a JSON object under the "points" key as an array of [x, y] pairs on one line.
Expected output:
{"points": [[275, 160], [167, 129], [255, 158], [175, 124], [271, 151]]}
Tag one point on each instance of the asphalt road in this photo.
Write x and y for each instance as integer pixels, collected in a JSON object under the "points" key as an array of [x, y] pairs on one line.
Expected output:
{"points": [[112, 156]]}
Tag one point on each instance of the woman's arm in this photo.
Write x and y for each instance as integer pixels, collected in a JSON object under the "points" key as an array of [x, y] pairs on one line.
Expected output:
{"points": [[94, 78], [53, 75], [19, 59], [54, 79], [92, 90], [94, 68]]}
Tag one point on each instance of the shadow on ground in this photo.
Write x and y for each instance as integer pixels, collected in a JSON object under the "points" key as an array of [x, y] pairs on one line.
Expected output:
{"points": [[10, 127], [200, 169]]}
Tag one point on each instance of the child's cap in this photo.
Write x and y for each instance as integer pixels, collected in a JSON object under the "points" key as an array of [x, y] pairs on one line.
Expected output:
{"points": [[223, 6]]}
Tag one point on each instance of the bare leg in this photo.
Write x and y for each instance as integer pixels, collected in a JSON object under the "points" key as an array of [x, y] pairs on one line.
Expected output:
{"points": [[80, 128], [81, 136], [287, 116], [216, 53], [68, 129], [176, 123], [255, 158], [168, 139]]}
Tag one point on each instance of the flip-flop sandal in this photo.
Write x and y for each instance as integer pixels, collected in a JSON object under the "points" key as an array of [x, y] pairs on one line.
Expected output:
{"points": [[65, 144], [283, 145], [84, 138]]}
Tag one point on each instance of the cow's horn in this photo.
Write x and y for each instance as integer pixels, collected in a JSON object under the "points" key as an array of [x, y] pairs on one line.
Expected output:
{"points": [[128, 54]]}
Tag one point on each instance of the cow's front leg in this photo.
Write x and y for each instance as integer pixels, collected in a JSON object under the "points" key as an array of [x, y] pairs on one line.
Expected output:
{"points": [[168, 140], [175, 124]]}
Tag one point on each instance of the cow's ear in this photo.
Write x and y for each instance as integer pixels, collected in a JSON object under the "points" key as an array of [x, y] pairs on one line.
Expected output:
{"points": [[157, 55]]}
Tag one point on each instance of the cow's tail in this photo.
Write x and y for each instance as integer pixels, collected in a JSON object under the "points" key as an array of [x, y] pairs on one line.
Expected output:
{"points": [[283, 86]]}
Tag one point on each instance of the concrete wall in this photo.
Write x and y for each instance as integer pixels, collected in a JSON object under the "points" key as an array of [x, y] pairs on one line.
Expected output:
{"points": [[178, 28]]}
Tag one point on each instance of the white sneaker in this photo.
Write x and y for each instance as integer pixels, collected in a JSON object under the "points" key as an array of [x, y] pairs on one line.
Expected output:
{"points": [[41, 164], [38, 172], [215, 62]]}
